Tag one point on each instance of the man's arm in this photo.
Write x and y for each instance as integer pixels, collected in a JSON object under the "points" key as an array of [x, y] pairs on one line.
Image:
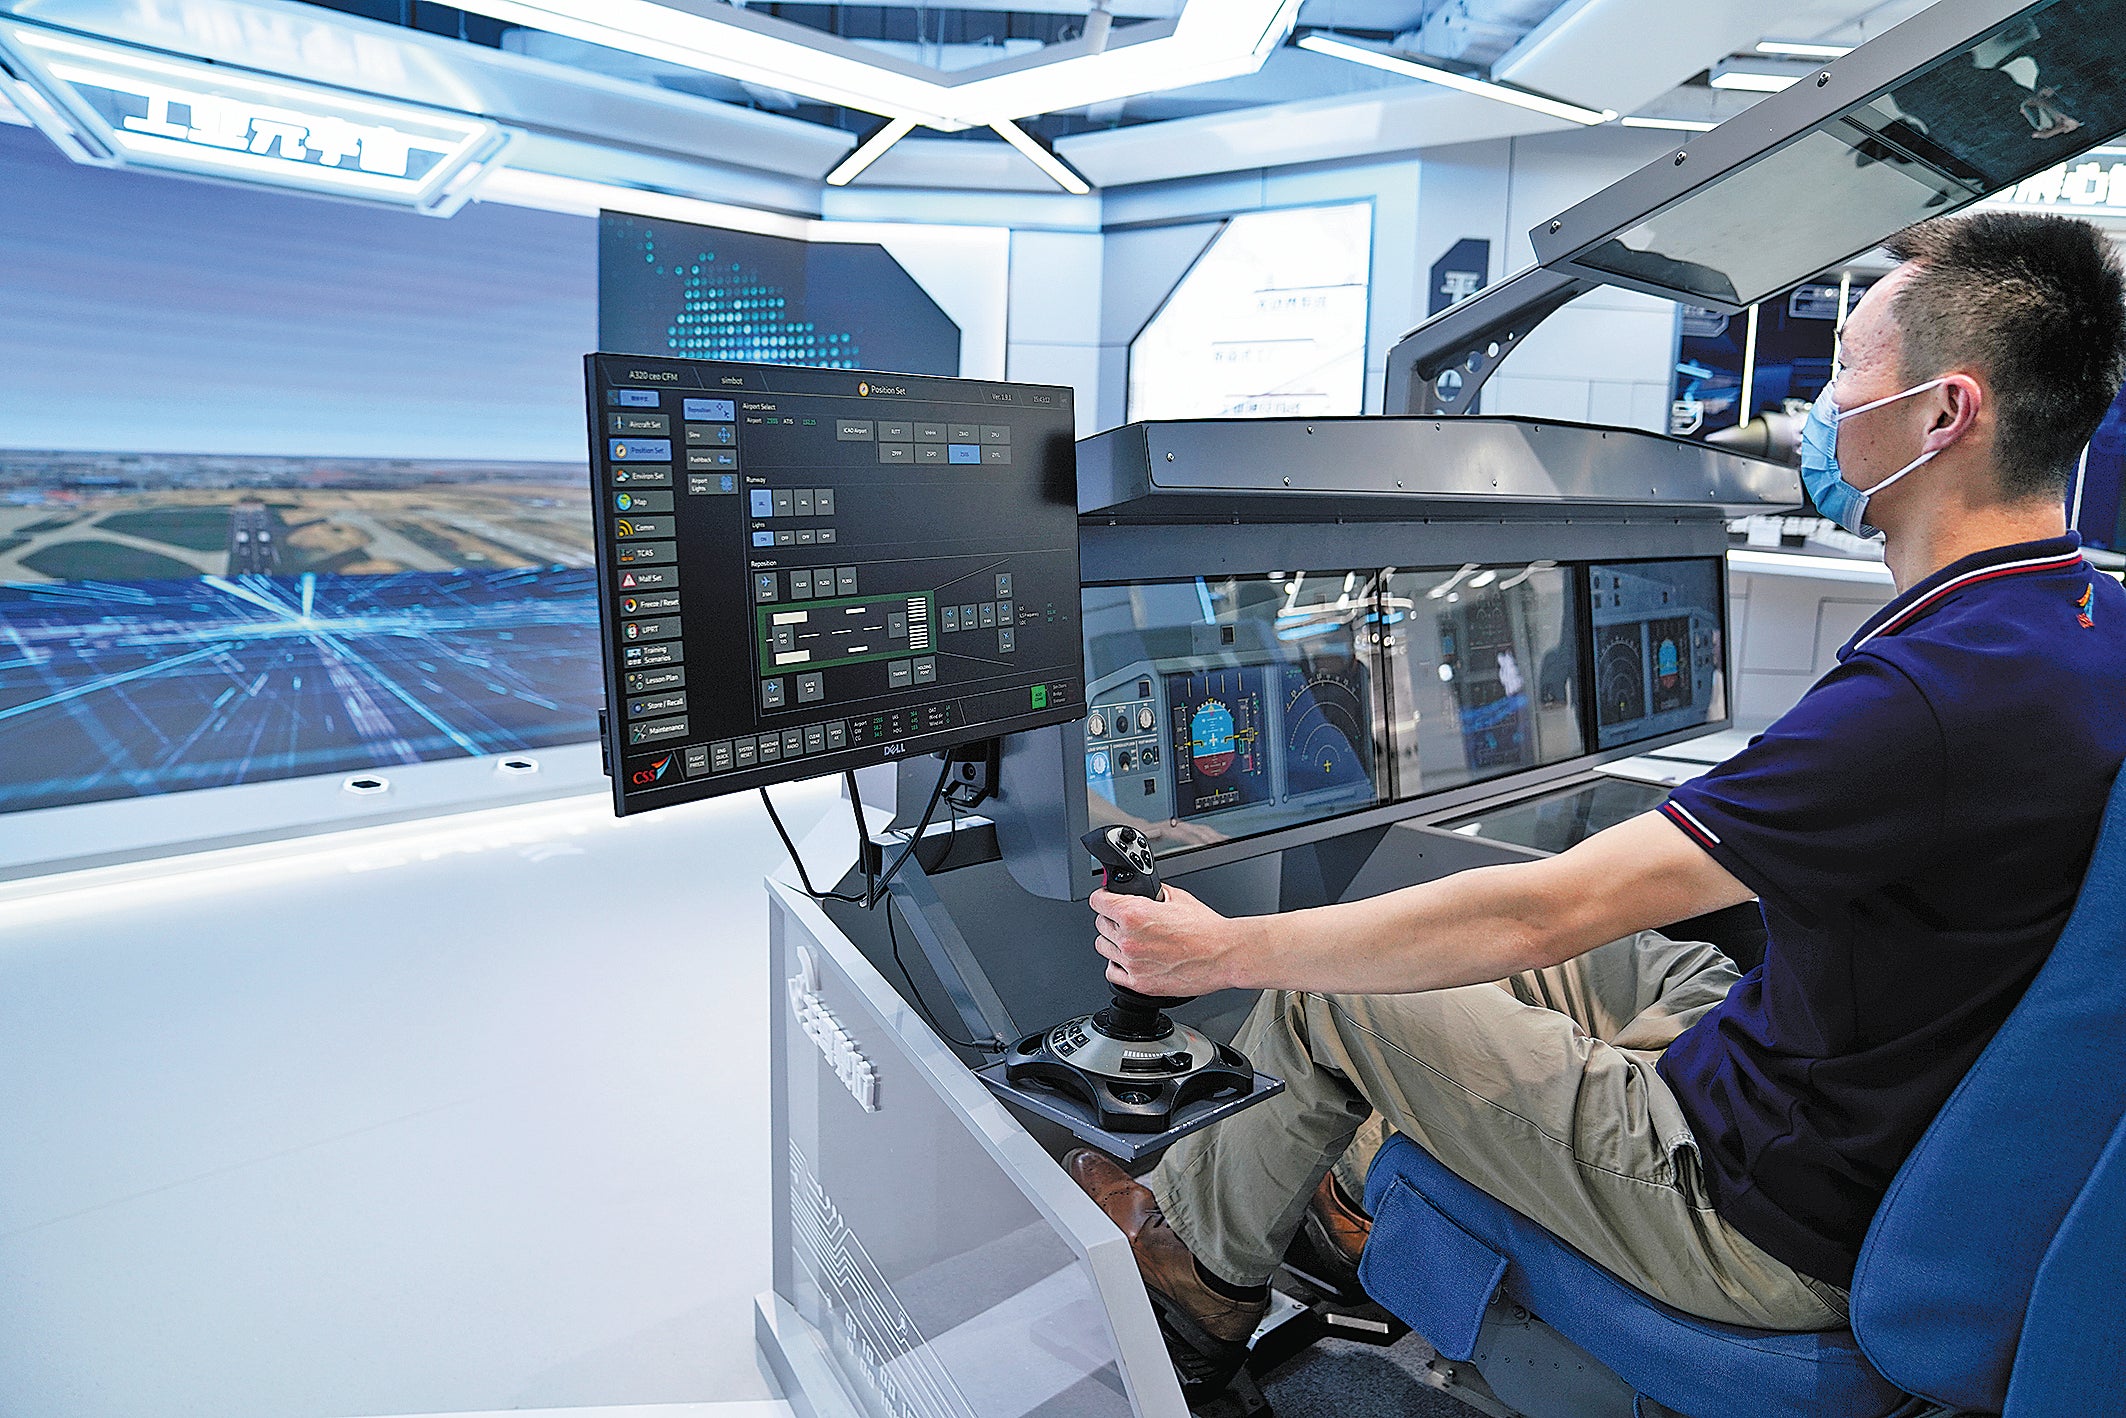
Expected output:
{"points": [[1466, 929]]}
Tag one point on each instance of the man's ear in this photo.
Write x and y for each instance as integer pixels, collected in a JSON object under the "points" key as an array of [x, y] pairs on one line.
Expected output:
{"points": [[1954, 407]]}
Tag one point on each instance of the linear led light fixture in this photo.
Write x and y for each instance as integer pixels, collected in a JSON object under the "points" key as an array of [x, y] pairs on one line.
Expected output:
{"points": [[1757, 76], [1447, 78], [1796, 49], [1209, 40], [1673, 125], [869, 151], [1042, 158]]}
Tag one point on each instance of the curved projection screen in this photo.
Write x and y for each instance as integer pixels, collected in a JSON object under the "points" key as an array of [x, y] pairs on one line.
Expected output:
{"points": [[1270, 322]]}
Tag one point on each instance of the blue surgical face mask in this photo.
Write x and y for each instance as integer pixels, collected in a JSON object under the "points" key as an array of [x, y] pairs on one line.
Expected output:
{"points": [[1836, 498]]}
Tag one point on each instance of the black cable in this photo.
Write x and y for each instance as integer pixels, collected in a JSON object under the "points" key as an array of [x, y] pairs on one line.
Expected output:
{"points": [[915, 839], [915, 997], [804, 878]]}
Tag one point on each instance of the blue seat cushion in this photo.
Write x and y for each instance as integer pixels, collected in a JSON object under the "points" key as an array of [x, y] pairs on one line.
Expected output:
{"points": [[1441, 1246]]}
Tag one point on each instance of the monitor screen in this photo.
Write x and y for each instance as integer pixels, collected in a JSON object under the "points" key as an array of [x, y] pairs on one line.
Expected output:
{"points": [[805, 570], [1224, 708], [1484, 672], [1658, 653]]}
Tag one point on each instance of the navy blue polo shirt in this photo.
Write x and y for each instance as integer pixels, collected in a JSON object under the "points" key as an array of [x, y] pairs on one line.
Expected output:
{"points": [[1916, 828]]}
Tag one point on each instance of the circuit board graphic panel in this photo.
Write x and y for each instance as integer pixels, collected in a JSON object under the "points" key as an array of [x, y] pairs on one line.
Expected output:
{"points": [[1218, 751]]}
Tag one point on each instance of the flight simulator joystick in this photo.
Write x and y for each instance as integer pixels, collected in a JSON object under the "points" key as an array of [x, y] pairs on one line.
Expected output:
{"points": [[1131, 1064]]}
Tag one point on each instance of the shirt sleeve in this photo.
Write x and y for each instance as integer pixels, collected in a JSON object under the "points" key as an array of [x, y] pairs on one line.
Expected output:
{"points": [[1839, 798]]}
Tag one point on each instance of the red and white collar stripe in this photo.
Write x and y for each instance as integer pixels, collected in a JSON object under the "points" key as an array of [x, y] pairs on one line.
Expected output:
{"points": [[2057, 562]]}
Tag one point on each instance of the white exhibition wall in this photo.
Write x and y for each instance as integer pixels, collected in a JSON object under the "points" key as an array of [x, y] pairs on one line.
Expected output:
{"points": [[1422, 205]]}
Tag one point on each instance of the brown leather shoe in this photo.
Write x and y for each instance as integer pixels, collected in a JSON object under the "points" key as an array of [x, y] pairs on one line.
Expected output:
{"points": [[1337, 1222], [1168, 1268]]}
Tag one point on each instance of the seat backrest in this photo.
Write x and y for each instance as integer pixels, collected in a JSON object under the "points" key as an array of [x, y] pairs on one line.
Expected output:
{"points": [[2072, 1359], [1949, 1264]]}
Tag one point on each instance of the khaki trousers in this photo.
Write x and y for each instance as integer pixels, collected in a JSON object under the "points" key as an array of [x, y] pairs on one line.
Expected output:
{"points": [[1540, 1090]]}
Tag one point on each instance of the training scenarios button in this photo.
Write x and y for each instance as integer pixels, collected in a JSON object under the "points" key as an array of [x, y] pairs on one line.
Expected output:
{"points": [[639, 450], [664, 652], [636, 527], [649, 578], [852, 430], [640, 425], [659, 475], [656, 731], [709, 410], [649, 681], [631, 398], [645, 553], [642, 502]]}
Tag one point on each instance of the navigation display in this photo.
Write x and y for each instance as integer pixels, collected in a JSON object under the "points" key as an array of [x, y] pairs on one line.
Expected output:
{"points": [[803, 570], [1659, 661]]}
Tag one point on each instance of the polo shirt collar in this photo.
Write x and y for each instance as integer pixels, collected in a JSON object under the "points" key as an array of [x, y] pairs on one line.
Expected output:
{"points": [[2021, 559]]}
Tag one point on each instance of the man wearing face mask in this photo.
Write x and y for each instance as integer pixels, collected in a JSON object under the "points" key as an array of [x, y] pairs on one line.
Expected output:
{"points": [[1916, 829]]}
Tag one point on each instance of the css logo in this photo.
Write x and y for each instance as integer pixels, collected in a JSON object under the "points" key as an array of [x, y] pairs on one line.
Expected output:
{"points": [[650, 773]]}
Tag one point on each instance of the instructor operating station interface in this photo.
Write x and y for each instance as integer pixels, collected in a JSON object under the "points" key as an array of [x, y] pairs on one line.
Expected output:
{"points": [[809, 570]]}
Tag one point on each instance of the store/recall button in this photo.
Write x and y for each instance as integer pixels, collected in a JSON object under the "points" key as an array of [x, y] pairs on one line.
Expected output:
{"points": [[664, 652]]}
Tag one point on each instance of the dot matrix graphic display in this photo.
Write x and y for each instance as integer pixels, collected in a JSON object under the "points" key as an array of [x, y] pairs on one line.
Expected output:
{"points": [[803, 571]]}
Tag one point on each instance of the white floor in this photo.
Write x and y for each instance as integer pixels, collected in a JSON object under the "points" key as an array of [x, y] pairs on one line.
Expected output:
{"points": [[457, 1118]]}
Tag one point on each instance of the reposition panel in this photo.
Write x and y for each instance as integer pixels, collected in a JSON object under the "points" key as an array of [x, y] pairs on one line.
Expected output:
{"points": [[806, 570]]}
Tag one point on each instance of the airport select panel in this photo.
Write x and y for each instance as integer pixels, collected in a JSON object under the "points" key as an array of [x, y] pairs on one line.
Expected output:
{"points": [[803, 571]]}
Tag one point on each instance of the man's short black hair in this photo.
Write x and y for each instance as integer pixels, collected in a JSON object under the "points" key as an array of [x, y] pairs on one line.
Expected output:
{"points": [[2035, 304]]}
